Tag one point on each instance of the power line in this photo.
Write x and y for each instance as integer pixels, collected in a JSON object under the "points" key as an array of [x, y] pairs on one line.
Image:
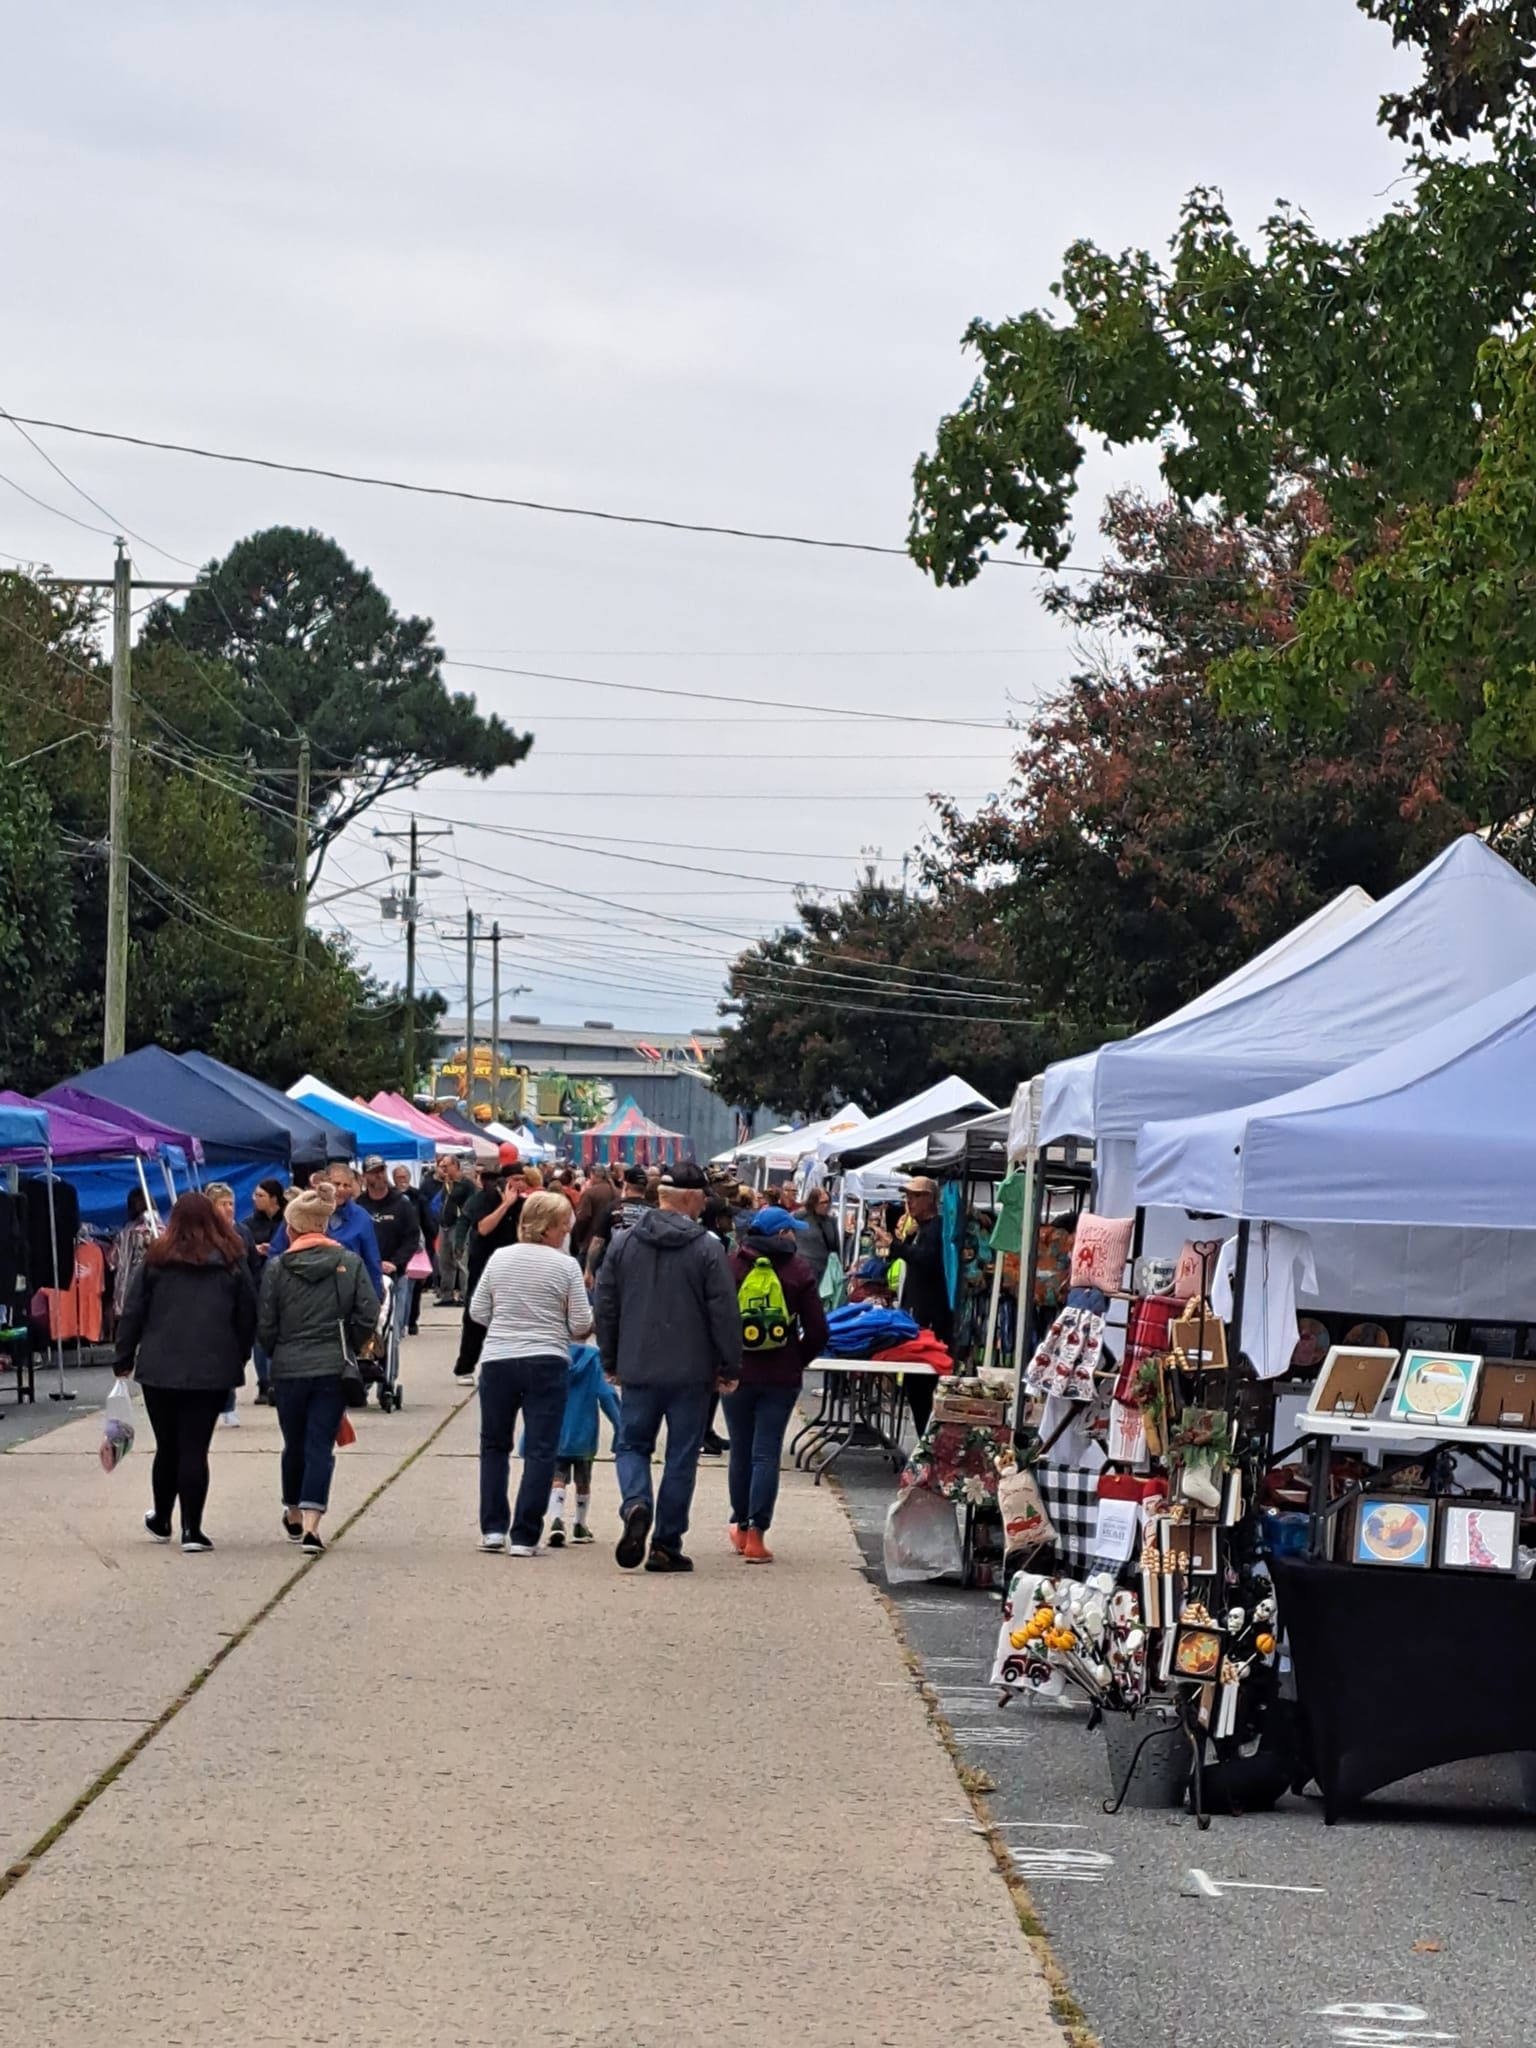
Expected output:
{"points": [[119, 525], [57, 511], [386, 483], [553, 835], [544, 675]]}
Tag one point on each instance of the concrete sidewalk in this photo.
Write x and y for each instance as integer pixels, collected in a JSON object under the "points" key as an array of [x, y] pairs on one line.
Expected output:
{"points": [[435, 1797]]}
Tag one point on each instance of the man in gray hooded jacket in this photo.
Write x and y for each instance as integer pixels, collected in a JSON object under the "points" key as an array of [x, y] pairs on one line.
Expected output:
{"points": [[669, 1329]]}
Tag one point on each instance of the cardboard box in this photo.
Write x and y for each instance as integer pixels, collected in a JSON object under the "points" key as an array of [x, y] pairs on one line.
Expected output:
{"points": [[949, 1407]]}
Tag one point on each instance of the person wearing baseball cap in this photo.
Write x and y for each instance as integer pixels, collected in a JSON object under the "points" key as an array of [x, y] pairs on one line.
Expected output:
{"points": [[925, 1284], [669, 1331], [398, 1229]]}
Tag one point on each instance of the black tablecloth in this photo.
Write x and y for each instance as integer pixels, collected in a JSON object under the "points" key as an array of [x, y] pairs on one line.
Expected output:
{"points": [[1397, 1671]]}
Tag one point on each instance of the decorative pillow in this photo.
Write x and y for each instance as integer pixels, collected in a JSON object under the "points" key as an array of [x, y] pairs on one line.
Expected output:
{"points": [[1099, 1251]]}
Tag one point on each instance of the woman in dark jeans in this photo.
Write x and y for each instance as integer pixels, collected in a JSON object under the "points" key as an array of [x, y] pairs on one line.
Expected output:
{"points": [[758, 1412], [317, 1303], [185, 1334]]}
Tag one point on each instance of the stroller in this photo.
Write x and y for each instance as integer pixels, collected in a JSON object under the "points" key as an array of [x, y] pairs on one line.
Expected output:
{"points": [[382, 1368]]}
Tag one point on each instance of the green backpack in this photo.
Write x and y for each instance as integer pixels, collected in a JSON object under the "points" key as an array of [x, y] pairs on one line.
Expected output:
{"points": [[765, 1314]]}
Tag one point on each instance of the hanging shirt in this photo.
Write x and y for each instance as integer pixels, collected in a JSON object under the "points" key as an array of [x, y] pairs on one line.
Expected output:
{"points": [[1279, 1262], [77, 1310]]}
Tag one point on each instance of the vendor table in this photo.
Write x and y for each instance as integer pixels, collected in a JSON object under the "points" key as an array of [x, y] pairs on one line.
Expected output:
{"points": [[857, 1395], [1397, 1670], [1503, 1453]]}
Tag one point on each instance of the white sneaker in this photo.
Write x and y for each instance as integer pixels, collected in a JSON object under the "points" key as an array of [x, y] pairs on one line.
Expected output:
{"points": [[231, 1420], [522, 1550], [493, 1542]]}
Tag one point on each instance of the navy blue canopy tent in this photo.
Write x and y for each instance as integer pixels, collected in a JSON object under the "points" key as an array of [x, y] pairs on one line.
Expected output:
{"points": [[316, 1139], [242, 1143]]}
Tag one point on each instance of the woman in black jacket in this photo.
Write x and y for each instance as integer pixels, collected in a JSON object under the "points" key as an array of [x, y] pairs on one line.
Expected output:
{"points": [[185, 1334]]}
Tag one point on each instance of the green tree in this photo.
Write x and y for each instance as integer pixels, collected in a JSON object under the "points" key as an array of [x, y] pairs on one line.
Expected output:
{"points": [[1147, 845], [1479, 65], [870, 999], [304, 642]]}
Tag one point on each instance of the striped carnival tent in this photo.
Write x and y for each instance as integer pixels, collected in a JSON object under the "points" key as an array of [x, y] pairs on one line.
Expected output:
{"points": [[629, 1138]]}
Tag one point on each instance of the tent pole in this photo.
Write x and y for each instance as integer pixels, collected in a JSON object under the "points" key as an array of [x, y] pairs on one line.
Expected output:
{"points": [[1024, 1320], [149, 1200], [992, 1308], [53, 1238], [170, 1179]]}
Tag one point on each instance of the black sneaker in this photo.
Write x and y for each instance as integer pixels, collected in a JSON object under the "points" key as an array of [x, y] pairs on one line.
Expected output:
{"points": [[313, 1547], [463, 1372], [161, 1531], [194, 1539], [715, 1446], [556, 1537], [293, 1530], [668, 1561], [630, 1551]]}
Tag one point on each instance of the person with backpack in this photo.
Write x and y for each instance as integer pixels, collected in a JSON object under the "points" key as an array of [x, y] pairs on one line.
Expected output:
{"points": [[783, 1327]]}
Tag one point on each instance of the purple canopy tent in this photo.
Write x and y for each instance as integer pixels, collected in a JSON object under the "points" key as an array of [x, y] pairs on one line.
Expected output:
{"points": [[165, 1138], [76, 1138]]}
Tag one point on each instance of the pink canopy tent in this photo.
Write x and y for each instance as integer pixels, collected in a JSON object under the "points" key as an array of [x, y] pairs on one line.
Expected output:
{"points": [[630, 1138], [445, 1136]]}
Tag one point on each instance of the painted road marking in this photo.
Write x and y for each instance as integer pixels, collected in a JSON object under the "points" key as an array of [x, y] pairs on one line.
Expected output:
{"points": [[1061, 1866], [1199, 1884], [1363, 2028]]}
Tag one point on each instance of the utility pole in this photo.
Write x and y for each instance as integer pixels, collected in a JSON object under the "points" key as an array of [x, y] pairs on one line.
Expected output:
{"points": [[469, 1012], [301, 855], [411, 912], [410, 971], [122, 583], [496, 1020], [114, 1035]]}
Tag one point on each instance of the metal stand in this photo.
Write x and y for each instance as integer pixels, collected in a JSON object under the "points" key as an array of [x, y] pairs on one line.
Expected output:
{"points": [[53, 1234], [1194, 1735]]}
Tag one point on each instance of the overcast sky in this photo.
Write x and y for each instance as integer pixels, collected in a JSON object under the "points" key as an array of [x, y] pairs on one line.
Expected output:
{"points": [[703, 261]]}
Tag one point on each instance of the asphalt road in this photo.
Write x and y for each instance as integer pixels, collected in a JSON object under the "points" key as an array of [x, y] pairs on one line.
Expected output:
{"points": [[19, 1422], [1409, 1923]]}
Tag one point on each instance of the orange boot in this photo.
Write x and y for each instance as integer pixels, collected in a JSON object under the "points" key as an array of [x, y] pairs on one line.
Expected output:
{"points": [[738, 1537], [755, 1550]]}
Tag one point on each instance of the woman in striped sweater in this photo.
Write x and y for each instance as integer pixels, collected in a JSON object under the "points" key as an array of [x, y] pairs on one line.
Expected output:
{"points": [[532, 1303]]}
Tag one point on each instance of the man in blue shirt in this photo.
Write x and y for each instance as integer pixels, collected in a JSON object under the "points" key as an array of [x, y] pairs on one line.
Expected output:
{"points": [[350, 1223]]}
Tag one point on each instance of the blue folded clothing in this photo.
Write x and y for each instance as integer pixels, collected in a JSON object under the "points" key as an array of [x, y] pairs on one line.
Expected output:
{"points": [[864, 1327]]}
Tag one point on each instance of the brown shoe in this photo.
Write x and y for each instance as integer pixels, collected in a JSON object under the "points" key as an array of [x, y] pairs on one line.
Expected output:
{"points": [[755, 1550], [738, 1537]]}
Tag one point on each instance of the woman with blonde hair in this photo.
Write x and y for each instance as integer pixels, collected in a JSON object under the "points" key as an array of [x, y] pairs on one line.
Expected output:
{"points": [[532, 1303], [318, 1305]]}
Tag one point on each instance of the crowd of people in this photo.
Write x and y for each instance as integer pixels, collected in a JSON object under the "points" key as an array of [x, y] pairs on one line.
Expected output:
{"points": [[658, 1296]]}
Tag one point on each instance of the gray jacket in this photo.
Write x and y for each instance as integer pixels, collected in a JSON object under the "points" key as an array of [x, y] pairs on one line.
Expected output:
{"points": [[307, 1296], [666, 1309]]}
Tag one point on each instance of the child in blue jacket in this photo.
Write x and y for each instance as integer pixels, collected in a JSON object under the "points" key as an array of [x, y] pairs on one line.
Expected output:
{"points": [[588, 1392]]}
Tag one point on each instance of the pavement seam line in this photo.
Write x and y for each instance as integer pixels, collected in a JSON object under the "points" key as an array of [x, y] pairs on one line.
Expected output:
{"points": [[1065, 2009], [15, 1872]]}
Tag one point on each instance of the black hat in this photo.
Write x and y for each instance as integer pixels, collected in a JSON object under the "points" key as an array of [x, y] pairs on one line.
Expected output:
{"points": [[634, 1176], [684, 1175]]}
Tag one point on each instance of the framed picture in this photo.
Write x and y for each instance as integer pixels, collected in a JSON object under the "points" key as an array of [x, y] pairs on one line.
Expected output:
{"points": [[1353, 1379], [1493, 1340], [1197, 1652], [1476, 1536], [1506, 1395], [1368, 1336], [1437, 1388], [1390, 1529], [1428, 1336], [1204, 1561]]}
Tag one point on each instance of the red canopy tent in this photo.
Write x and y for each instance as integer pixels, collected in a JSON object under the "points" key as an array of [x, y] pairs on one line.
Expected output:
{"points": [[629, 1138]]}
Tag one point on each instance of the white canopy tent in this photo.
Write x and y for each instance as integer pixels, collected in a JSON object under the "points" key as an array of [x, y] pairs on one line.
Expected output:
{"points": [[1411, 1170], [782, 1149], [947, 1102], [1067, 1098], [1461, 928]]}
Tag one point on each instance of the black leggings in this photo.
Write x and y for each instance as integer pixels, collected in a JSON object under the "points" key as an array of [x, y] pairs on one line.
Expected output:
{"points": [[183, 1420]]}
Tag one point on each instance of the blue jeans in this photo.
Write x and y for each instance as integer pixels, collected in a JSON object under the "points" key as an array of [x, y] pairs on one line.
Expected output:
{"points": [[758, 1418], [536, 1388], [685, 1411], [263, 1365], [309, 1414]]}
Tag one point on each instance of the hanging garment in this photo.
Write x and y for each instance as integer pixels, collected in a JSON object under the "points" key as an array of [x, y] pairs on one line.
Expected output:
{"points": [[1279, 1262], [1067, 1355], [13, 1246], [79, 1309], [50, 1251]]}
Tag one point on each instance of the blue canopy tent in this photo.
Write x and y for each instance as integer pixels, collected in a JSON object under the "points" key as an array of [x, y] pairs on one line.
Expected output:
{"points": [[316, 1139], [242, 1144], [374, 1133]]}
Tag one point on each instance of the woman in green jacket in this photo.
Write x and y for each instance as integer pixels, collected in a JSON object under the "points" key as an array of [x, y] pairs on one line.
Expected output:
{"points": [[317, 1306]]}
